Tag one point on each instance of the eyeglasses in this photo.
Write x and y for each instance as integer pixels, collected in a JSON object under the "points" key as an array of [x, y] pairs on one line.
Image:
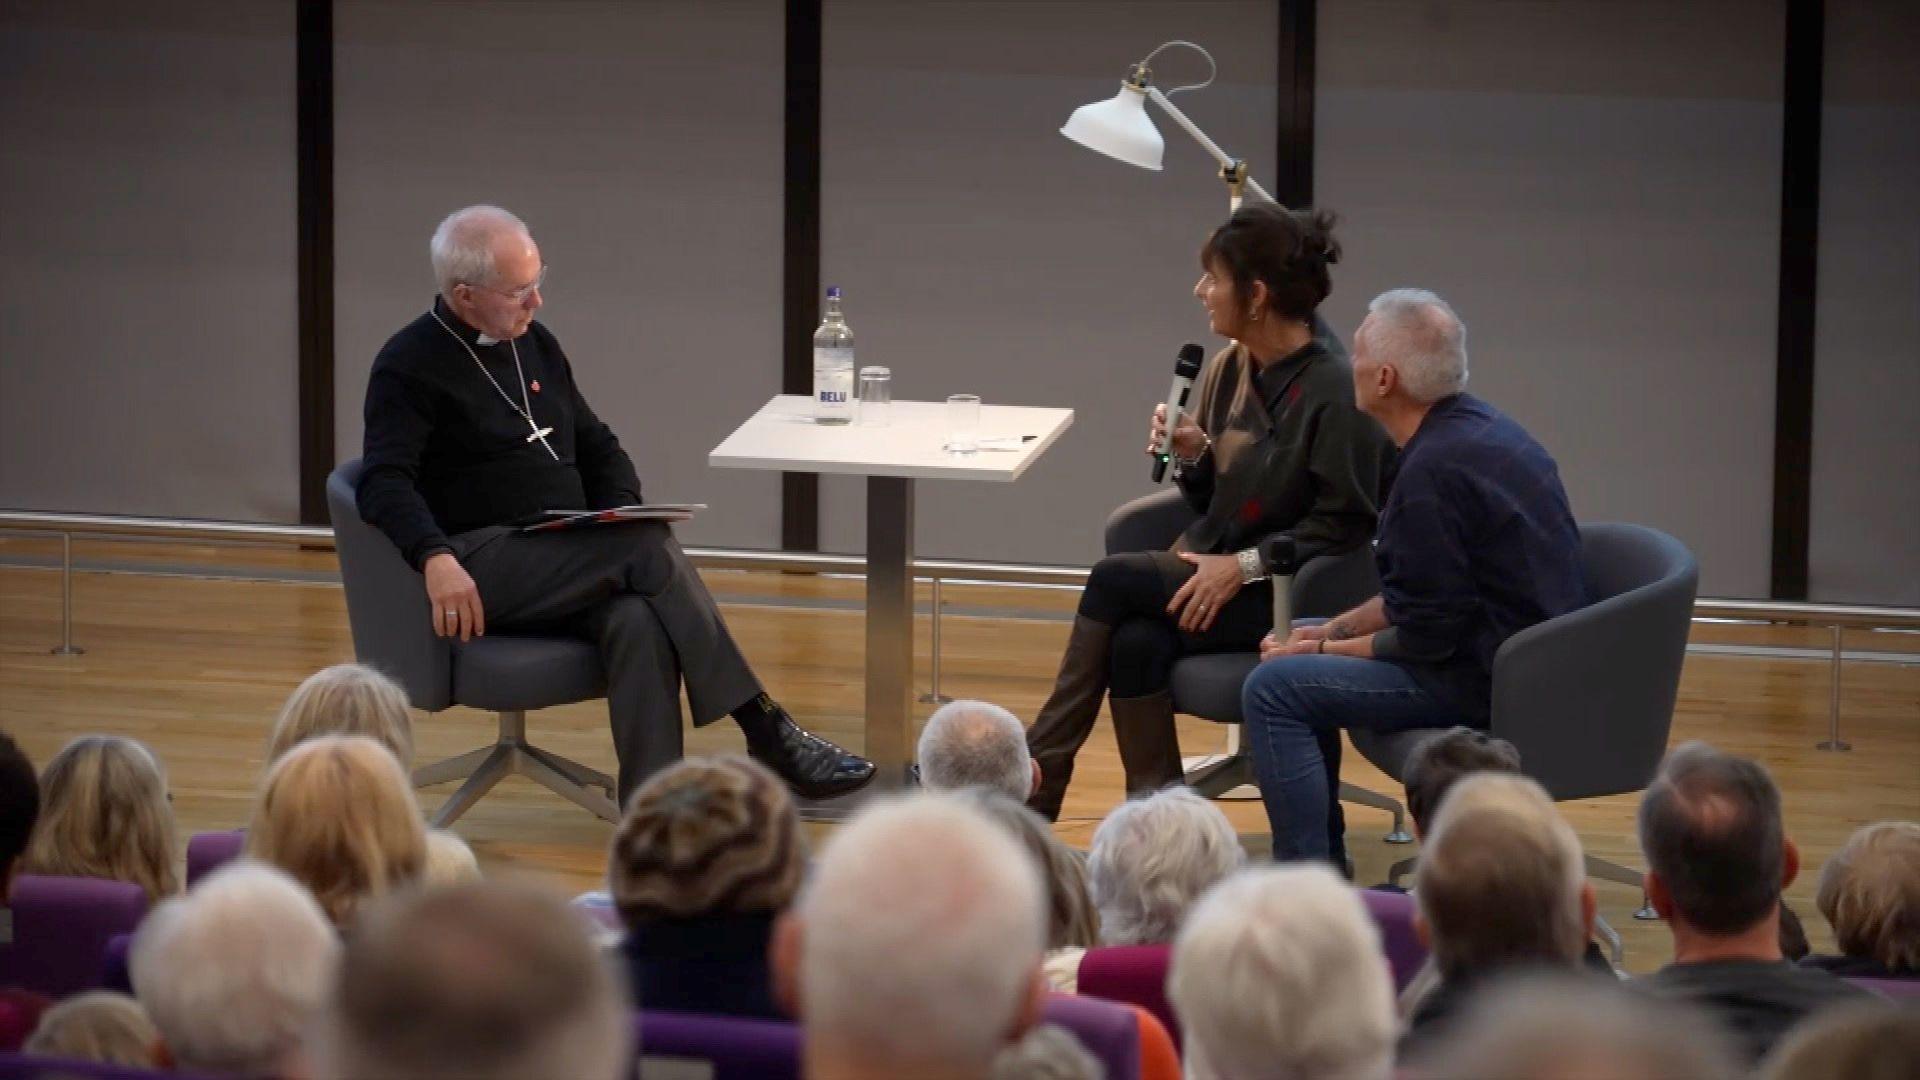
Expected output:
{"points": [[520, 295]]}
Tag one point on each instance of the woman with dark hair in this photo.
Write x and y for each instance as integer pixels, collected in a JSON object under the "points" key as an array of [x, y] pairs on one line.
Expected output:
{"points": [[1278, 464]]}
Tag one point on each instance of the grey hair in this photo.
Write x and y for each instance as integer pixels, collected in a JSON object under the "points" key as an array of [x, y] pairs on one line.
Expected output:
{"points": [[975, 744], [462, 247], [1424, 340], [1574, 1025], [234, 972], [1048, 1052], [1279, 973], [1152, 858], [1501, 876]]}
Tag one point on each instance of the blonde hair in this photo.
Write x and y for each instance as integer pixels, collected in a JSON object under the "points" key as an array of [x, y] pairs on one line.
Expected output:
{"points": [[449, 860], [345, 699], [111, 1029], [104, 814], [337, 814], [1870, 893]]}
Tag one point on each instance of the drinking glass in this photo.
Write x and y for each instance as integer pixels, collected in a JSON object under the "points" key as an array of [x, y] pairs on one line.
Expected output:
{"points": [[963, 423], [876, 396]]}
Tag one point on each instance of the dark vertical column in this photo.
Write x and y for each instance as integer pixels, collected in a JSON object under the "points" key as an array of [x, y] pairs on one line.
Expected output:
{"points": [[1799, 266], [313, 140], [1293, 174], [800, 492]]}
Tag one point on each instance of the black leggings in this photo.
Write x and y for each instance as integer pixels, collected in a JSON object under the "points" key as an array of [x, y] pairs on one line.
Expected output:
{"points": [[1130, 592]]}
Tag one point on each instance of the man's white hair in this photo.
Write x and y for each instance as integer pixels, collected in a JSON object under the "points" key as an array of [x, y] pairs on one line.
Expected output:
{"points": [[975, 744], [462, 247], [1152, 858], [1279, 973], [1500, 877], [922, 932], [1424, 340], [234, 972]]}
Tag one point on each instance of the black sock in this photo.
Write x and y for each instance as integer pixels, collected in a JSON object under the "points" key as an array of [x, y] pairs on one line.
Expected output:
{"points": [[756, 719]]}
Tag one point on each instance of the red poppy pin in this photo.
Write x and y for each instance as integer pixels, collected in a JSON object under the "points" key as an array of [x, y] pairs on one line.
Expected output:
{"points": [[1250, 511], [534, 386]]}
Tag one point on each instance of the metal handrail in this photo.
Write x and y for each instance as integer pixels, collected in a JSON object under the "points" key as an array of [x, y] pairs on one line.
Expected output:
{"points": [[1838, 617]]}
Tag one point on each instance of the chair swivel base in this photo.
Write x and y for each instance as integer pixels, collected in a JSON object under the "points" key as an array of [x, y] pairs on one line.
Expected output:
{"points": [[1220, 776], [587, 788]]}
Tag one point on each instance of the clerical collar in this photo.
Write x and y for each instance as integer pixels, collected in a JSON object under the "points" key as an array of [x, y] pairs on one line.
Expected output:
{"points": [[459, 326]]}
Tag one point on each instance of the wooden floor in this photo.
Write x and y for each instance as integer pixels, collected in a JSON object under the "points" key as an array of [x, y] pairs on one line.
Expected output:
{"points": [[196, 668]]}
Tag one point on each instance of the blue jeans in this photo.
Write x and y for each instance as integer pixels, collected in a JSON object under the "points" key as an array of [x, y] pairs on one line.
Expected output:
{"points": [[1294, 707]]}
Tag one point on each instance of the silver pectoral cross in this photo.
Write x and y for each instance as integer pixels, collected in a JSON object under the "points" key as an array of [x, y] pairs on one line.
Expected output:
{"points": [[541, 433]]}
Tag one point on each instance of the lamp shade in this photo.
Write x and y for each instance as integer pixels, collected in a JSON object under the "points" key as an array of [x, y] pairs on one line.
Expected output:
{"points": [[1119, 128]]}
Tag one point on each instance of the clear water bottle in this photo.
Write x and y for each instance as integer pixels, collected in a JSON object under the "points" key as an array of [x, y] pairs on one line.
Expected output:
{"points": [[833, 366]]}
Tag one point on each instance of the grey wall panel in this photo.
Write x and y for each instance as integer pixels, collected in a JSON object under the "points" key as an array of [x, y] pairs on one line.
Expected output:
{"points": [[1596, 188], [982, 252], [1866, 423], [147, 320], [642, 142]]}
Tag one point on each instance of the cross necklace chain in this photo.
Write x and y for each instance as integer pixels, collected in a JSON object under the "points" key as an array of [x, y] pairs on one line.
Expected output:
{"points": [[525, 407]]}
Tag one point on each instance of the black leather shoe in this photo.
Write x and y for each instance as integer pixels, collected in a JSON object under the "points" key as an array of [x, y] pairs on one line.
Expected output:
{"points": [[813, 767]]}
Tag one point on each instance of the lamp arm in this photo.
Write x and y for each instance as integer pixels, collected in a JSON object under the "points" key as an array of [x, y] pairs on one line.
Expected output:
{"points": [[1211, 147]]}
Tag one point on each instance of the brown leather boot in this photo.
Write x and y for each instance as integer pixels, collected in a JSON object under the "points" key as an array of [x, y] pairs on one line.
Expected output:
{"points": [[1067, 718], [1149, 745]]}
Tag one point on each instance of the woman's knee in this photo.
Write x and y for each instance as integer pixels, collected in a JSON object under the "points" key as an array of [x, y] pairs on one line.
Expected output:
{"points": [[1143, 652], [1268, 695], [1116, 585]]}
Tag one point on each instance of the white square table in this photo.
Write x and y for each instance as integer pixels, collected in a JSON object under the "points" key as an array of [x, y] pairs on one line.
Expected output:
{"points": [[782, 436]]}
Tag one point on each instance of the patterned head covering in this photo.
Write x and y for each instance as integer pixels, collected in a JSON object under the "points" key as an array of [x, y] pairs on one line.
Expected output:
{"points": [[706, 836]]}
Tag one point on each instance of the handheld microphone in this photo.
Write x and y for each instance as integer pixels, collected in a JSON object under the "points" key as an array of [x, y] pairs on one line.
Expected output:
{"points": [[1185, 370]]}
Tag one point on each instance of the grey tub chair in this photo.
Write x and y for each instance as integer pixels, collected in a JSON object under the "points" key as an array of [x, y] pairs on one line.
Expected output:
{"points": [[1587, 698], [1208, 686], [502, 673]]}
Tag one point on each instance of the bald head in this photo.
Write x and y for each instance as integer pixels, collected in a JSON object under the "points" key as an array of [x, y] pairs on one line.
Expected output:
{"points": [[1712, 830]]}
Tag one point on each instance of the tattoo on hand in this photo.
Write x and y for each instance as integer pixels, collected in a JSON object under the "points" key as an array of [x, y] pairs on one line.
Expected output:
{"points": [[1337, 631]]}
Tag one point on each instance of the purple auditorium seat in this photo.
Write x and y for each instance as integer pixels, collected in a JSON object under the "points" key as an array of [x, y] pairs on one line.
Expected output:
{"points": [[737, 1049], [1393, 914], [209, 851], [116, 974], [33, 1067], [1107, 1029], [1133, 974], [1897, 989], [61, 927]]}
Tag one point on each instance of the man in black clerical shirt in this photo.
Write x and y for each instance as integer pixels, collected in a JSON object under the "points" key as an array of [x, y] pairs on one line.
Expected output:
{"points": [[474, 421]]}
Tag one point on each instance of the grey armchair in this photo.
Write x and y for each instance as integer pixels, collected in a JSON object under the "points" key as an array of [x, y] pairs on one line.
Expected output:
{"points": [[1208, 686], [507, 674], [1587, 698]]}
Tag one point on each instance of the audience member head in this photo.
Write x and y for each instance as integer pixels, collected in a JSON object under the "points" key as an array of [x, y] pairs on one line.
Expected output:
{"points": [[1716, 848], [488, 269], [1071, 920], [1152, 858], [1278, 972], [449, 861], [706, 836], [1274, 259], [1873, 1040], [493, 980], [915, 948], [1571, 1027], [104, 813], [345, 699], [337, 813], [1870, 893], [111, 1029], [1502, 879], [1048, 1052], [19, 809], [1409, 352], [234, 972], [1439, 761], [976, 744]]}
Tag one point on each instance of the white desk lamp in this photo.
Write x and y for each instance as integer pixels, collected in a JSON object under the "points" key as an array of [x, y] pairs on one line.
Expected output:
{"points": [[1120, 127]]}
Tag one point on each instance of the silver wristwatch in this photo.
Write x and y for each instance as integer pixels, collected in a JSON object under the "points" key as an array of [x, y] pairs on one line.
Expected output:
{"points": [[1252, 569]]}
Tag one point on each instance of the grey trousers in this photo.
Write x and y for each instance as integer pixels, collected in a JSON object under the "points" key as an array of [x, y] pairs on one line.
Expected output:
{"points": [[631, 591]]}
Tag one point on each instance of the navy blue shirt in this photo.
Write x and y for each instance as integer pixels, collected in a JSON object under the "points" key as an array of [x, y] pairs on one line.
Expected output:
{"points": [[1477, 542]]}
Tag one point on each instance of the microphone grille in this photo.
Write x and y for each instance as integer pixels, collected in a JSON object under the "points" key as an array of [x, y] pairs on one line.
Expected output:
{"points": [[1191, 357]]}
